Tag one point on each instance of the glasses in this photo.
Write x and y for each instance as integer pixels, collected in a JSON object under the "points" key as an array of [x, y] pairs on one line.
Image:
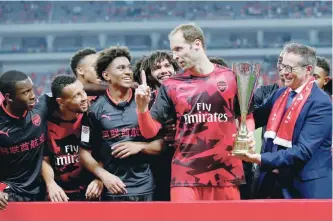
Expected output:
{"points": [[288, 68]]}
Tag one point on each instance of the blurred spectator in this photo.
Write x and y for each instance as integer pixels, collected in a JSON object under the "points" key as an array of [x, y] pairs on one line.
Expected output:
{"points": [[90, 11]]}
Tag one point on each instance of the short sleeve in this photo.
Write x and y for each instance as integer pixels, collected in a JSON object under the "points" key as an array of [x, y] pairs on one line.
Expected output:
{"points": [[90, 134], [163, 108]]}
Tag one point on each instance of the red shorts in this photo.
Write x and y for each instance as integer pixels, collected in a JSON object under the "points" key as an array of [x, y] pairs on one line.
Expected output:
{"points": [[204, 193]]}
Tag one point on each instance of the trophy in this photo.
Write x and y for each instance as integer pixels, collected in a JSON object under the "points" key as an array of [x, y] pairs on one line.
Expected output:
{"points": [[247, 75]]}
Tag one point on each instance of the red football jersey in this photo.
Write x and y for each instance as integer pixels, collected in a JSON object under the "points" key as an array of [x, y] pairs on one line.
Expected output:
{"points": [[205, 109]]}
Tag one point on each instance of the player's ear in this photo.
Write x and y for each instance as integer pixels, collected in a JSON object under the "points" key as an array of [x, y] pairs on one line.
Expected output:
{"points": [[79, 71], [60, 101], [8, 97], [106, 76], [326, 80], [197, 44]]}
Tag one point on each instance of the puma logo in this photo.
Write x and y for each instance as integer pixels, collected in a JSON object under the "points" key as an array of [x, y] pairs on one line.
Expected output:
{"points": [[106, 116], [5, 133]]}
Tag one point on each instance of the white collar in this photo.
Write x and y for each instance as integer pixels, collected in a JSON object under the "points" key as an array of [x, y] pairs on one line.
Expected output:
{"points": [[298, 90]]}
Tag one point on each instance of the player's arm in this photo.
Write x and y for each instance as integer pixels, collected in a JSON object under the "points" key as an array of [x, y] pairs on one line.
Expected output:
{"points": [[89, 155], [99, 89], [94, 89], [126, 149], [56, 193], [154, 147], [151, 122]]}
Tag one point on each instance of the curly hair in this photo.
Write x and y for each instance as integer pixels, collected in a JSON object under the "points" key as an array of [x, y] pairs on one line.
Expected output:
{"points": [[79, 56], [107, 56], [137, 68], [149, 63]]}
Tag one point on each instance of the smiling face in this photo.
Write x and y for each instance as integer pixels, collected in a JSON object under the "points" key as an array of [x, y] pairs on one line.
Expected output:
{"points": [[294, 71], [73, 98], [119, 73], [162, 70]]}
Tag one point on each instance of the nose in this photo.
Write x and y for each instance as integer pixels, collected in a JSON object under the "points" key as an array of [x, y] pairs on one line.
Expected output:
{"points": [[32, 95], [164, 71], [128, 71], [175, 56]]}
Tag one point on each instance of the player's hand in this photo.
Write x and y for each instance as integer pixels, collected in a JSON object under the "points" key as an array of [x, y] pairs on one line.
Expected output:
{"points": [[94, 189], [126, 149], [252, 141], [56, 193], [169, 130], [113, 184], [3, 200], [142, 94]]}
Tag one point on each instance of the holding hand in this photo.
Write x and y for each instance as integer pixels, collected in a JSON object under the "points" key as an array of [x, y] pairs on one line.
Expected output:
{"points": [[251, 156], [127, 149], [169, 131]]}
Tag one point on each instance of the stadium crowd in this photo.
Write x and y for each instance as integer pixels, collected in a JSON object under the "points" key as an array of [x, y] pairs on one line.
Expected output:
{"points": [[164, 127], [92, 11]]}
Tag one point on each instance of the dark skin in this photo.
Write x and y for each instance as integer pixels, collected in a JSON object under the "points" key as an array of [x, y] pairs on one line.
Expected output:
{"points": [[17, 103], [99, 89], [23, 98]]}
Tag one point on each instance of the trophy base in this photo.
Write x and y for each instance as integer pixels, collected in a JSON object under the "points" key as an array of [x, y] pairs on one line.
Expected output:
{"points": [[239, 152], [241, 148]]}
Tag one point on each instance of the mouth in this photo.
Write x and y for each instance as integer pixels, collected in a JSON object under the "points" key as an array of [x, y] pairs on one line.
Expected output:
{"points": [[84, 105], [286, 79], [31, 105], [127, 79], [182, 63], [164, 77]]}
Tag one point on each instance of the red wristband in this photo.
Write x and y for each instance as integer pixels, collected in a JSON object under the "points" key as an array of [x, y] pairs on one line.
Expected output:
{"points": [[3, 186]]}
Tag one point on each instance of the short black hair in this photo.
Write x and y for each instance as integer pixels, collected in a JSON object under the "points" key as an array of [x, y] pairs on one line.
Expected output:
{"points": [[79, 56], [137, 68], [148, 65], [324, 64], [107, 56], [59, 82], [219, 61], [9, 79]]}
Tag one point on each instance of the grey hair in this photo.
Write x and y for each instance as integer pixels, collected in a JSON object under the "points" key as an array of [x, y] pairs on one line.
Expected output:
{"points": [[307, 53]]}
